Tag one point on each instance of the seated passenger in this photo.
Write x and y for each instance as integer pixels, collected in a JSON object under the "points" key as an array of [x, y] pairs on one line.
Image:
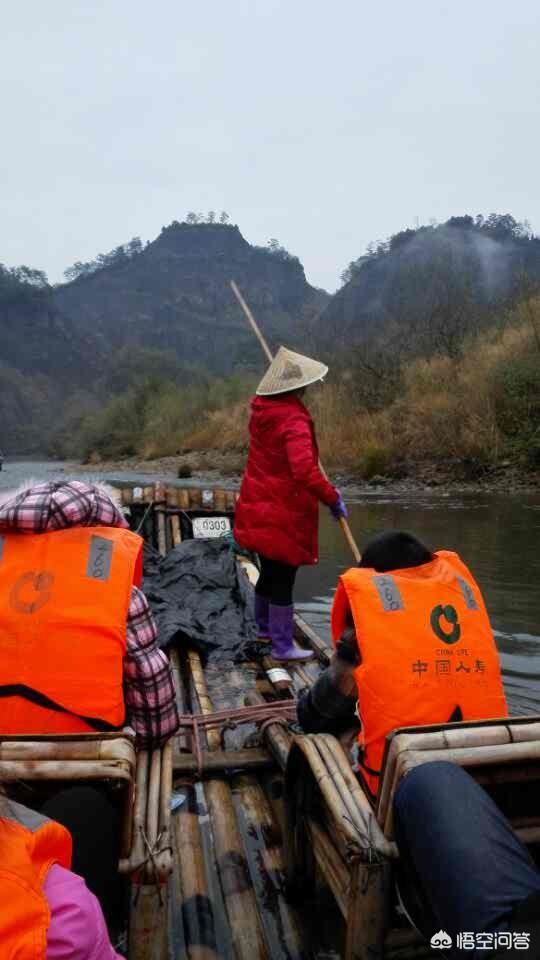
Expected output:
{"points": [[462, 869], [47, 912], [414, 646], [78, 648]]}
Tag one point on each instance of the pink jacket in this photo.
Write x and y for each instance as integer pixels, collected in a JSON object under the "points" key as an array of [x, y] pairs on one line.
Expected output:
{"points": [[77, 930]]}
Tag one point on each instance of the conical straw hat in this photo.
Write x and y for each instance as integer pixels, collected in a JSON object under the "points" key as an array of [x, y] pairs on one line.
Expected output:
{"points": [[290, 371]]}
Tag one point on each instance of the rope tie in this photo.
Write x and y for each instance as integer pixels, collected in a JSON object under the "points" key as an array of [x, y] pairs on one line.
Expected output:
{"points": [[263, 714]]}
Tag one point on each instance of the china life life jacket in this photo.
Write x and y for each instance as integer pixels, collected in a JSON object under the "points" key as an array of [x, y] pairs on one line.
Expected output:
{"points": [[64, 599], [30, 845], [427, 649]]}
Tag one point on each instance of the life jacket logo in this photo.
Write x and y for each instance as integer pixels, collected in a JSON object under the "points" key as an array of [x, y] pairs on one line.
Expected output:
{"points": [[449, 616], [31, 591]]}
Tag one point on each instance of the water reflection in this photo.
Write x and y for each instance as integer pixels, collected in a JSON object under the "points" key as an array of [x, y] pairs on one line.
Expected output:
{"points": [[498, 537]]}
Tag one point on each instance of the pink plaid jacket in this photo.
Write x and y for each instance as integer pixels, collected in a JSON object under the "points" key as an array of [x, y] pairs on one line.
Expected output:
{"points": [[148, 685]]}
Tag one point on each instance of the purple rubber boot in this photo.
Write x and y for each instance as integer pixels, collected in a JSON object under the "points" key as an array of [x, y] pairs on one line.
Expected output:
{"points": [[262, 606], [281, 632]]}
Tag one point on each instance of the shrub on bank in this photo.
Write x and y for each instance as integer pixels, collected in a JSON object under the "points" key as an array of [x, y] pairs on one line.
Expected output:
{"points": [[482, 406]]}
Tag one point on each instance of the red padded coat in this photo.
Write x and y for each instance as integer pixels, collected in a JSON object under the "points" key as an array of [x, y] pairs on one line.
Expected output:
{"points": [[277, 514]]}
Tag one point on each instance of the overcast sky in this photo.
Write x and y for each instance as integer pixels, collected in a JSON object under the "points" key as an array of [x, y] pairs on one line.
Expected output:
{"points": [[323, 124]]}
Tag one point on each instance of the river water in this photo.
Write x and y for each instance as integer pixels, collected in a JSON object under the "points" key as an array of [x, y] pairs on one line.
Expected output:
{"points": [[497, 536]]}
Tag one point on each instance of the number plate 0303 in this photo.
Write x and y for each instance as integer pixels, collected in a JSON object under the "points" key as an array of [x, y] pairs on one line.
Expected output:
{"points": [[205, 527]]}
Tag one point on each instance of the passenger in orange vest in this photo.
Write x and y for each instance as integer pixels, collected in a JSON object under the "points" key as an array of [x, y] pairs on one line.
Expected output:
{"points": [[47, 912], [413, 646], [78, 646]]}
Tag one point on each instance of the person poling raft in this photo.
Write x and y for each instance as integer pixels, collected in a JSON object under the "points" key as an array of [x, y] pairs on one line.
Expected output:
{"points": [[277, 510]]}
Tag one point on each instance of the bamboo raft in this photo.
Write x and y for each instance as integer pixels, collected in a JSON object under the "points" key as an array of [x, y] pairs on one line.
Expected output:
{"points": [[273, 849]]}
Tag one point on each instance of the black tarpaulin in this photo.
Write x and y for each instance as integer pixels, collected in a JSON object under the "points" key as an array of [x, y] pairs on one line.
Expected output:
{"points": [[200, 599]]}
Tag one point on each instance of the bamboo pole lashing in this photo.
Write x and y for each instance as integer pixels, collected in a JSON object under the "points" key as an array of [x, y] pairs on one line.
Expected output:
{"points": [[282, 685], [275, 734], [251, 319]]}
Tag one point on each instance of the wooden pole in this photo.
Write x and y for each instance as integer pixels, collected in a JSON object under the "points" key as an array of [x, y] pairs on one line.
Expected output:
{"points": [[252, 322]]}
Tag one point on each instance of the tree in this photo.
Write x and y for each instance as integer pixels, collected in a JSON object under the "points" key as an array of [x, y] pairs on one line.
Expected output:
{"points": [[134, 247], [211, 218], [224, 217], [192, 217]]}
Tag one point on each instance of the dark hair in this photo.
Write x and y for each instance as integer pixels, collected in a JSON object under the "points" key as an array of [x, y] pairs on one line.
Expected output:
{"points": [[395, 550]]}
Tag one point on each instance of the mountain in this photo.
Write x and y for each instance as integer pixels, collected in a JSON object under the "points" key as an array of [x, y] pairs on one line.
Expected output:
{"points": [[423, 290], [174, 295], [161, 310]]}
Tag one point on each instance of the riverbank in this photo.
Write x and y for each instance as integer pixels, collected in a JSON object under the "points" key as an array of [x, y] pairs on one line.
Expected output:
{"points": [[450, 476]]}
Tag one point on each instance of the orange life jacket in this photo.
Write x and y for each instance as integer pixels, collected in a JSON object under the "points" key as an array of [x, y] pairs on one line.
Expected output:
{"points": [[427, 650], [64, 599], [30, 845]]}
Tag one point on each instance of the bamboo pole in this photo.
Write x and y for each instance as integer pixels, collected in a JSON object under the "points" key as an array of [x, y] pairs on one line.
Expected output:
{"points": [[148, 927], [238, 896], [11, 770], [330, 863], [175, 530], [195, 899], [251, 319], [221, 761], [321, 650], [183, 738], [38, 750], [154, 785], [164, 857], [268, 869], [138, 854], [367, 911]]}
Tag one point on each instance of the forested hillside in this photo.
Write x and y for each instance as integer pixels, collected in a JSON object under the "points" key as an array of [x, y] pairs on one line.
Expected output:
{"points": [[139, 317], [174, 295], [433, 343]]}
